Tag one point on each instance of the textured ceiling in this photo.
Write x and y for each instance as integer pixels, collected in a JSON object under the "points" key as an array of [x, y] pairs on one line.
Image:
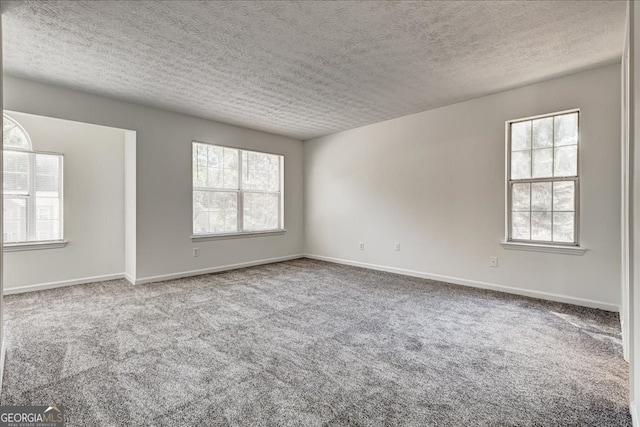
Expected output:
{"points": [[305, 69]]}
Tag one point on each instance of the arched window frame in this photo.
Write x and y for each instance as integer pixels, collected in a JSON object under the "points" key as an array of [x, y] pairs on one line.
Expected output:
{"points": [[32, 193], [23, 132]]}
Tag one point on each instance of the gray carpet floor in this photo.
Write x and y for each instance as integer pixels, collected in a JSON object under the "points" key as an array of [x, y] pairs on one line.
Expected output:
{"points": [[308, 343]]}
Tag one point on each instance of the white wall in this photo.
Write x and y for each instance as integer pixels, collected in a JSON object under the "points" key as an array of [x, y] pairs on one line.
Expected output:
{"points": [[163, 193], [130, 205], [93, 204], [434, 182]]}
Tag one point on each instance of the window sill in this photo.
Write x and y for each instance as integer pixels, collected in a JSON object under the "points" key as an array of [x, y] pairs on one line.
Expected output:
{"points": [[32, 246], [568, 250], [225, 236]]}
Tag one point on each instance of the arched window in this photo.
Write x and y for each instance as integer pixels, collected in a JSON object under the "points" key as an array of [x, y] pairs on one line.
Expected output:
{"points": [[32, 189], [13, 135]]}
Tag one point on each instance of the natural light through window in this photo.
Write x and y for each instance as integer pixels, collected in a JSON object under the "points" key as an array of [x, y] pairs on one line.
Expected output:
{"points": [[32, 189], [543, 178], [236, 191]]}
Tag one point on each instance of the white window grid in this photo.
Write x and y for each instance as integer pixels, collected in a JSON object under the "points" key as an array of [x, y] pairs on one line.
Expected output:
{"points": [[511, 182], [29, 197], [239, 191]]}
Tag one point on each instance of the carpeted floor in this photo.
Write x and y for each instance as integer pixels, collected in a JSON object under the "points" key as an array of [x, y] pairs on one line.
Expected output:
{"points": [[308, 343]]}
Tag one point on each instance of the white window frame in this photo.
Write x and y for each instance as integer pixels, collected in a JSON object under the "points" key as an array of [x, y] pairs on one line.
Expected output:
{"points": [[241, 232], [574, 247], [32, 243]]}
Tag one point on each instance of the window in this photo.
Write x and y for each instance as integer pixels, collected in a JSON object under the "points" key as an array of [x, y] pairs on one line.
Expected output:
{"points": [[236, 191], [32, 189], [543, 181]]}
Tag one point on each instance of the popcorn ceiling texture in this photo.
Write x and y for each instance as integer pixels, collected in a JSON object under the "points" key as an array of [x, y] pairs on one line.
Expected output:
{"points": [[305, 69]]}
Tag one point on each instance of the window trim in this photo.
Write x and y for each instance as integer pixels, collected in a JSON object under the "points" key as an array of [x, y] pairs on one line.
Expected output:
{"points": [[35, 245], [236, 235], [240, 200], [537, 245], [28, 245]]}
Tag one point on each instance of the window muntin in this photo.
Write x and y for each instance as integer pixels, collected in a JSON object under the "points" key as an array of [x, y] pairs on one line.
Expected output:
{"points": [[32, 189], [236, 191], [543, 181], [14, 135]]}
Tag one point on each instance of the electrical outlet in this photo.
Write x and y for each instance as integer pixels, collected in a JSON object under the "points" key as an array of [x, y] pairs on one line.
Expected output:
{"points": [[397, 247], [493, 261], [196, 252], [362, 246]]}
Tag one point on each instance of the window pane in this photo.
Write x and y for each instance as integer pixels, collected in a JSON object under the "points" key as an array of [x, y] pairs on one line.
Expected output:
{"points": [[230, 158], [541, 196], [47, 175], [261, 211], [15, 220], [543, 133], [215, 212], [229, 178], [520, 136], [229, 164], [563, 196], [521, 164], [214, 167], [199, 165], [47, 197], [566, 161], [520, 198], [520, 223], [47, 208], [215, 156], [563, 227], [541, 226], [201, 222], [47, 230], [13, 136], [542, 163], [260, 171], [214, 178], [48, 225], [16, 172], [566, 129]]}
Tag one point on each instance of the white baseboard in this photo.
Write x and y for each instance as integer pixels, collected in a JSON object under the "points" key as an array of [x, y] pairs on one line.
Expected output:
{"points": [[475, 284], [51, 285], [625, 341], [84, 280], [448, 279], [191, 273], [634, 414], [129, 278]]}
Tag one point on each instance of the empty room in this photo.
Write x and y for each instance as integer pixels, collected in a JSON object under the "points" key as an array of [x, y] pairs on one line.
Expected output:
{"points": [[320, 213]]}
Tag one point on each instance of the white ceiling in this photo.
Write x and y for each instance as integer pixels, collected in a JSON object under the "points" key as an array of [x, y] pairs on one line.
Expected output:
{"points": [[308, 68]]}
